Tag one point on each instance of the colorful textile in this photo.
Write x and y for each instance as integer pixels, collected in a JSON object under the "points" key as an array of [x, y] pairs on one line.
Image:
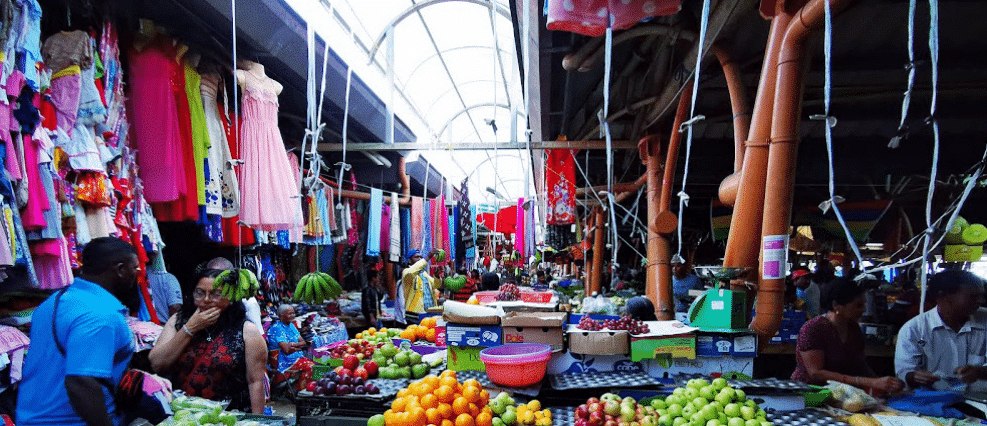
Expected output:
{"points": [[395, 234], [427, 228], [560, 179], [406, 232], [465, 220], [385, 228], [373, 222], [200, 133], [519, 235], [417, 225]]}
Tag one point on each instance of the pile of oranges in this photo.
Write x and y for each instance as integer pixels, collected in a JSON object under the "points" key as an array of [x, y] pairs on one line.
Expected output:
{"points": [[441, 401], [426, 331]]}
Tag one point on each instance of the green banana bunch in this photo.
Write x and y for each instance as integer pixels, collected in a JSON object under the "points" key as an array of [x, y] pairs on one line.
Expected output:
{"points": [[316, 288], [454, 284], [237, 284]]}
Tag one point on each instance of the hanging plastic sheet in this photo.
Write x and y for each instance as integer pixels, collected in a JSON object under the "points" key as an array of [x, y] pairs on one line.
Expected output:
{"points": [[589, 17]]}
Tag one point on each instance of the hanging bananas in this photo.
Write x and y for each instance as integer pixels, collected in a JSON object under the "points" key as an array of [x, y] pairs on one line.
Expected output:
{"points": [[316, 288], [237, 284]]}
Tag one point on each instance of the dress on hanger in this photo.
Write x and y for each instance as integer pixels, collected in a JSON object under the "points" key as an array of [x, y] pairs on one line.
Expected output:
{"points": [[200, 133], [222, 190], [268, 190]]}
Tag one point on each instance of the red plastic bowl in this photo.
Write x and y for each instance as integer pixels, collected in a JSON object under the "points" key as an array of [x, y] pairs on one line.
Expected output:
{"points": [[517, 364]]}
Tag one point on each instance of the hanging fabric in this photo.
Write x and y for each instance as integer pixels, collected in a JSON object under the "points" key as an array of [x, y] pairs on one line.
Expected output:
{"points": [[560, 181], [428, 228], [464, 221], [385, 227], [373, 222], [407, 240], [417, 226], [589, 17], [394, 254], [519, 235]]}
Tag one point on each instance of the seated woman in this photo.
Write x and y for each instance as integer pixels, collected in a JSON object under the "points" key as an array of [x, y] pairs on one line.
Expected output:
{"points": [[210, 350], [831, 346], [284, 337]]}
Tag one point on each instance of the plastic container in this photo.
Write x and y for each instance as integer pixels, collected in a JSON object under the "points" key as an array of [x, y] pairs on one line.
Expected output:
{"points": [[486, 296], [536, 296], [516, 365]]}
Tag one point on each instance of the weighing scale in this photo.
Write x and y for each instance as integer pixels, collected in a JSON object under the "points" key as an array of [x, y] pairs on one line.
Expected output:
{"points": [[721, 309]]}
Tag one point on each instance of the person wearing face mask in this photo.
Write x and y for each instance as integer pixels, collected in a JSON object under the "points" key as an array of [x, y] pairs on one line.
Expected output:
{"points": [[947, 342], [76, 355], [831, 346], [212, 351]]}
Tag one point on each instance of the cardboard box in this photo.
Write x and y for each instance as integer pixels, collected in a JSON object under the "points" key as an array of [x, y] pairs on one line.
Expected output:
{"points": [[574, 318], [473, 335], [677, 346], [728, 366], [598, 342], [465, 359], [535, 327], [723, 344]]}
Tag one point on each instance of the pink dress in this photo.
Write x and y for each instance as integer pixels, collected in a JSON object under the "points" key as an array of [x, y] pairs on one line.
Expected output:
{"points": [[156, 124], [268, 193]]}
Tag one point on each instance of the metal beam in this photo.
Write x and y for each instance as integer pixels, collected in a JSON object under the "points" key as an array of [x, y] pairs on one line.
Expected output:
{"points": [[419, 6], [413, 146]]}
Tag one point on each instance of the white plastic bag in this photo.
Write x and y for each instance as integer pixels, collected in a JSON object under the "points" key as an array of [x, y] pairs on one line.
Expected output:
{"points": [[851, 398]]}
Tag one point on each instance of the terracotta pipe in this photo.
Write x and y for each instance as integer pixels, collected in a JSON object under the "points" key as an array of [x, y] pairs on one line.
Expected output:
{"points": [[664, 222], [650, 149], [405, 182], [598, 248], [783, 152], [743, 242], [738, 102]]}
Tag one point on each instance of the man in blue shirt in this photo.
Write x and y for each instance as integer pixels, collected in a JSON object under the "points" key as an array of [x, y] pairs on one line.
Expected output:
{"points": [[683, 280], [74, 388]]}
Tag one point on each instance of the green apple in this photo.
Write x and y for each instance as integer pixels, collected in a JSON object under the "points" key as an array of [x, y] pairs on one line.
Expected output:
{"points": [[752, 423], [691, 394], [739, 395], [498, 422], [747, 413], [736, 421], [732, 410], [708, 392], [497, 406], [376, 420], [679, 421], [719, 383], [713, 422], [751, 403], [700, 402], [665, 420], [675, 410], [658, 404], [509, 417]]}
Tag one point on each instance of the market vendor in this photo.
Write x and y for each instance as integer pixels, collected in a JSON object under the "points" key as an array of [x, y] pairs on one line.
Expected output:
{"points": [[284, 337], [640, 308], [683, 280], [947, 342], [370, 300], [490, 282], [831, 346], [210, 350], [807, 291], [416, 285]]}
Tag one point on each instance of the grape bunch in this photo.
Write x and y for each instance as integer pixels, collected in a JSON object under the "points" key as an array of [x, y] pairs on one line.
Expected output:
{"points": [[624, 323], [508, 293], [587, 323]]}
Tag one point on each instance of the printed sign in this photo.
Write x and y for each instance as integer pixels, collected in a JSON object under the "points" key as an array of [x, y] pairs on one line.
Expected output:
{"points": [[775, 255]]}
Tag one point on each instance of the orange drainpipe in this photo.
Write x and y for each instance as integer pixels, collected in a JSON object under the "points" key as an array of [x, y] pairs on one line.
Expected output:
{"points": [[738, 101], [662, 222], [744, 240], [598, 247], [649, 148], [783, 153]]}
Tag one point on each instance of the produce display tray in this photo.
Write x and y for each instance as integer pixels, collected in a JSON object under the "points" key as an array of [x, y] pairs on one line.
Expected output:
{"points": [[603, 379], [807, 417], [771, 384], [563, 416], [484, 379]]}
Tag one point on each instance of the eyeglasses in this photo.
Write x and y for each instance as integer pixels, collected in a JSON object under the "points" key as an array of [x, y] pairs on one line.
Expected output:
{"points": [[213, 295]]}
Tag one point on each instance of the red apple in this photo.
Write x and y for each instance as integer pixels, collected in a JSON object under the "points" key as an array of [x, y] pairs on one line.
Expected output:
{"points": [[582, 412], [582, 422], [592, 400], [345, 372], [371, 368], [610, 422], [338, 370], [595, 418], [311, 386], [351, 362], [361, 373]]}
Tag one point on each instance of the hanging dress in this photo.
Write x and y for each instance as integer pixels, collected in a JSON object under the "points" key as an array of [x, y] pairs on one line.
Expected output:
{"points": [[222, 190], [268, 189]]}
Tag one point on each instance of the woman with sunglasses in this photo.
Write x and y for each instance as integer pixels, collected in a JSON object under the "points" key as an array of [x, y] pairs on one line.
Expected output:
{"points": [[210, 350]]}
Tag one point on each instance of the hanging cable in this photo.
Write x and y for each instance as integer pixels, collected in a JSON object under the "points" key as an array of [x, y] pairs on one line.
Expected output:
{"points": [[934, 56], [236, 126], [829, 123], [343, 165], [906, 100], [683, 196], [605, 127]]}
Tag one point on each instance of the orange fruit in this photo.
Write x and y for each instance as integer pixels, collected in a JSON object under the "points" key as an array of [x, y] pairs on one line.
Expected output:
{"points": [[445, 394], [421, 332], [460, 406], [484, 397], [359, 335], [447, 373], [445, 411], [413, 402], [473, 382], [418, 417], [432, 380], [410, 335], [429, 401], [484, 419], [474, 410], [430, 335], [433, 415], [399, 404], [471, 394], [464, 420], [449, 381], [428, 322], [447, 422], [403, 393]]}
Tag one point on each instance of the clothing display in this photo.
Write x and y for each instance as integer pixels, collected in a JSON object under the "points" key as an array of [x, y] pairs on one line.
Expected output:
{"points": [[267, 188]]}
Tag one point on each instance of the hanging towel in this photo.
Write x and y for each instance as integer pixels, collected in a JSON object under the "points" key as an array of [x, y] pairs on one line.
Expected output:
{"points": [[405, 232], [395, 225], [417, 224], [373, 222], [529, 228], [471, 251], [427, 230], [435, 214], [519, 232], [385, 228], [443, 213], [452, 235]]}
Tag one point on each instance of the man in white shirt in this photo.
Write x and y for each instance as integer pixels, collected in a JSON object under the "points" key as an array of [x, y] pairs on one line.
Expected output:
{"points": [[949, 341]]}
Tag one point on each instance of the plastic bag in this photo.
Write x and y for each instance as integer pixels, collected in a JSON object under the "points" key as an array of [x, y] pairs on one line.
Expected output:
{"points": [[851, 398]]}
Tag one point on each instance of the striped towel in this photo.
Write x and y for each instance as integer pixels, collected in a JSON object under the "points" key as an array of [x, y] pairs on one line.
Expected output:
{"points": [[417, 224]]}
